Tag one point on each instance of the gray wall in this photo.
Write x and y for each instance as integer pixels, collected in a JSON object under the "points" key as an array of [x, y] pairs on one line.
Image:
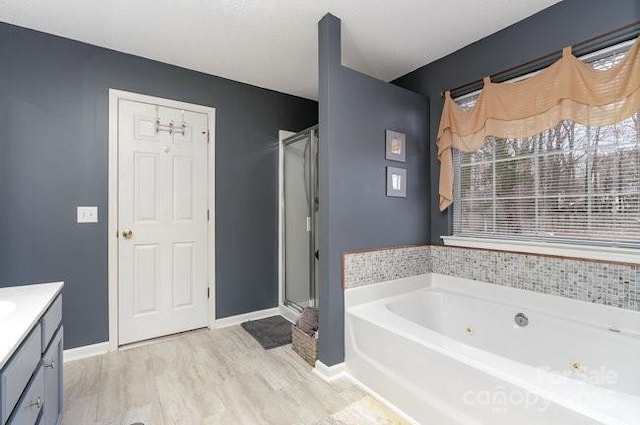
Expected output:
{"points": [[355, 110], [566, 23], [53, 157]]}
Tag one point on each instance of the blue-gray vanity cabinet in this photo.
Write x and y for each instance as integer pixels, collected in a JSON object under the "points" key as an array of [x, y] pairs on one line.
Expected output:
{"points": [[16, 374], [31, 380]]}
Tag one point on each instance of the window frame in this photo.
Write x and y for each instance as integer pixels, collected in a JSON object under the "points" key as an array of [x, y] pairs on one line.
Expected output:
{"points": [[573, 249]]}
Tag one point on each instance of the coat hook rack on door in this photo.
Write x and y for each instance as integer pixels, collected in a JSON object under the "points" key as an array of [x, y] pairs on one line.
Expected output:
{"points": [[171, 127]]}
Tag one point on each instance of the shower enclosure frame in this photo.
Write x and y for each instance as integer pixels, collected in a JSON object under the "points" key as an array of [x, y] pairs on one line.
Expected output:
{"points": [[286, 139]]}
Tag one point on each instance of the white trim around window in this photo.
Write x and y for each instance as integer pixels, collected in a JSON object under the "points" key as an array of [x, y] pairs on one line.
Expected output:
{"points": [[590, 252]]}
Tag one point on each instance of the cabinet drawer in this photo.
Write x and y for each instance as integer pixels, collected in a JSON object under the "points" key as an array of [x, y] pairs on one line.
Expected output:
{"points": [[16, 374], [52, 367], [28, 410], [50, 322]]}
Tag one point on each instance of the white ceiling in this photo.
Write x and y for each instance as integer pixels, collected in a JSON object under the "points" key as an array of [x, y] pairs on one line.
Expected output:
{"points": [[273, 43]]}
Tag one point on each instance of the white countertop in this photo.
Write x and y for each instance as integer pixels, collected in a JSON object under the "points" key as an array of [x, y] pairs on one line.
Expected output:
{"points": [[20, 309]]}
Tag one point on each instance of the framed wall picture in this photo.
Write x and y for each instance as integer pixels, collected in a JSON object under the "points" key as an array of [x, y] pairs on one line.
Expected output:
{"points": [[397, 182], [396, 146]]}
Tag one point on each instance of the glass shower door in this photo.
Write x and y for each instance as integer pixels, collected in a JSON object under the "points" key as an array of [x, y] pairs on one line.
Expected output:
{"points": [[299, 219]]}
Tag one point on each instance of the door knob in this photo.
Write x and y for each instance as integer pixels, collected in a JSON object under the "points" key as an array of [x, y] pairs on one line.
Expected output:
{"points": [[127, 233]]}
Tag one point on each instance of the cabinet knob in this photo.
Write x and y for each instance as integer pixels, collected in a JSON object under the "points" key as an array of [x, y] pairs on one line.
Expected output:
{"points": [[37, 403]]}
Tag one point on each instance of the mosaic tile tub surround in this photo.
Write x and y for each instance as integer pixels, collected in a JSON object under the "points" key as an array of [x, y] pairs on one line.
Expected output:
{"points": [[613, 284], [367, 267]]}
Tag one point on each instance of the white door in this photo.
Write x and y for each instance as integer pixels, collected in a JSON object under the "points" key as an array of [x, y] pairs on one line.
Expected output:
{"points": [[162, 220]]}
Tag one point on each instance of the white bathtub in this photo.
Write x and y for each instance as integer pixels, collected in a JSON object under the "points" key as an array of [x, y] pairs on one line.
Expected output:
{"points": [[450, 352]]}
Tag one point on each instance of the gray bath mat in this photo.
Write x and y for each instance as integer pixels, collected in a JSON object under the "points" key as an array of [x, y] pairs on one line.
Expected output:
{"points": [[271, 332]]}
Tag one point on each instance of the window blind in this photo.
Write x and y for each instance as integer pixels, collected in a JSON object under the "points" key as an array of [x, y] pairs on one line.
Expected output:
{"points": [[570, 183]]}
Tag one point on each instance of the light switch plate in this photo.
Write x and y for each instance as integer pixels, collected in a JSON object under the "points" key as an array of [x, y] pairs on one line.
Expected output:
{"points": [[87, 214]]}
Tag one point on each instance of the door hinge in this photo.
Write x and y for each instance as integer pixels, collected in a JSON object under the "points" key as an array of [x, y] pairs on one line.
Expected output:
{"points": [[208, 215], [208, 292]]}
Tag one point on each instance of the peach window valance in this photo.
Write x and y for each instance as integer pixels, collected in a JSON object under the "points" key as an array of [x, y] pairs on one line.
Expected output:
{"points": [[567, 90]]}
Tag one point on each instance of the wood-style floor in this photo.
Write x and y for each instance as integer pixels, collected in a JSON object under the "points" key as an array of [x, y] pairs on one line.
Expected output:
{"points": [[210, 377]]}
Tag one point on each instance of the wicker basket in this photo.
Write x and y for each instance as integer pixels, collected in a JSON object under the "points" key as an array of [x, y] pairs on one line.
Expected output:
{"points": [[306, 346]]}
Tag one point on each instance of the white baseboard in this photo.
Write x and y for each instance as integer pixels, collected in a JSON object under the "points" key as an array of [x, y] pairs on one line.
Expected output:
{"points": [[85, 351], [382, 400], [103, 347], [240, 318], [329, 373]]}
